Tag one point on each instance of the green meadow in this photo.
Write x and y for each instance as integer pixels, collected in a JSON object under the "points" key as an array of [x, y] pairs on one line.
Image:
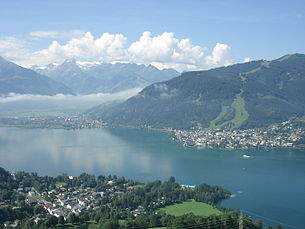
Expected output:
{"points": [[197, 208]]}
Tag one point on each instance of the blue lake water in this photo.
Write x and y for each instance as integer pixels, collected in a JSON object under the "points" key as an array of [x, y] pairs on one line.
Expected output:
{"points": [[269, 185]]}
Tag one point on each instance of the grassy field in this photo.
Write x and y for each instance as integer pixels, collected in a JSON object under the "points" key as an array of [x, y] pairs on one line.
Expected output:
{"points": [[223, 112], [200, 209], [275, 98], [139, 186], [60, 184], [157, 228], [241, 114]]}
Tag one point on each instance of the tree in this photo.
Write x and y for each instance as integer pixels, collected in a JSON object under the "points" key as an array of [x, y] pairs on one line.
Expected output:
{"points": [[84, 217], [38, 210], [278, 227], [72, 218], [61, 220], [259, 223], [171, 180], [109, 224], [93, 226], [51, 222]]}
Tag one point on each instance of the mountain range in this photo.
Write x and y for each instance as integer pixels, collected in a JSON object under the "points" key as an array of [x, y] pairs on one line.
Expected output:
{"points": [[246, 95], [88, 78], [16, 79]]}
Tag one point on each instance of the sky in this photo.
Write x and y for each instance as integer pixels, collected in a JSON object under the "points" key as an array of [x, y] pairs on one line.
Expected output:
{"points": [[185, 35]]}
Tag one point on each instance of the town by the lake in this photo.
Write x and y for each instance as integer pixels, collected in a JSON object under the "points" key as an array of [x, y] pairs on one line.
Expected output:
{"points": [[289, 133], [282, 135]]}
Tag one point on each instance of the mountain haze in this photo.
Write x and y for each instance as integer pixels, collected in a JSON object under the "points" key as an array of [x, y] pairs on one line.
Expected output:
{"points": [[246, 95], [105, 77], [16, 79]]}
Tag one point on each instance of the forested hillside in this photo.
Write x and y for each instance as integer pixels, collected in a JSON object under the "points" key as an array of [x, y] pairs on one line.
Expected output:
{"points": [[245, 95]]}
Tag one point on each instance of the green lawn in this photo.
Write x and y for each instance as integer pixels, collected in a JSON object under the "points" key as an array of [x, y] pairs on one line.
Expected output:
{"points": [[139, 186], [92, 225], [122, 222], [198, 208], [157, 228], [60, 184]]}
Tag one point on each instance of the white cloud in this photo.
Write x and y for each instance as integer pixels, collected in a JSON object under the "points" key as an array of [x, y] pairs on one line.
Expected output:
{"points": [[247, 59], [221, 56], [300, 16], [165, 93], [178, 66], [107, 48], [166, 51], [98, 98], [56, 34], [13, 48], [159, 48], [110, 47], [28, 102], [162, 51], [161, 87]]}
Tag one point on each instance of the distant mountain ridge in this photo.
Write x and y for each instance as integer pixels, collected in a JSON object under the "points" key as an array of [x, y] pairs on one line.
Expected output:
{"points": [[16, 79], [247, 95], [104, 77]]}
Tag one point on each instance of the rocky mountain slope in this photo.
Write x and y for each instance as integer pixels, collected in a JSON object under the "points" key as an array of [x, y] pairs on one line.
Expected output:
{"points": [[104, 77], [16, 79]]}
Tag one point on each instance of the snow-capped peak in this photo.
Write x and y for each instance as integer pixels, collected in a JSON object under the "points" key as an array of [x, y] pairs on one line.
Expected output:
{"points": [[87, 64]]}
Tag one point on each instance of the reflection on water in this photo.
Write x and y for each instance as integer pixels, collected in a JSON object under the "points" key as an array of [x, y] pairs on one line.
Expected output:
{"points": [[94, 151], [270, 182]]}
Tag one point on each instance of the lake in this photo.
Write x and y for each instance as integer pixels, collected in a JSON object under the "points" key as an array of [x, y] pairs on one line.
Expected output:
{"points": [[269, 185]]}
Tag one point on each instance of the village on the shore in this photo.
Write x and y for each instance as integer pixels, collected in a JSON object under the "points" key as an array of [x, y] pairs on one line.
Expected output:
{"points": [[56, 122], [64, 200], [282, 135], [290, 133], [86, 200]]}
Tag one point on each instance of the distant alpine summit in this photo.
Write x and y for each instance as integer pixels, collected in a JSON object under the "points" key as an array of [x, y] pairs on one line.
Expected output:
{"points": [[245, 95], [16, 79], [88, 78]]}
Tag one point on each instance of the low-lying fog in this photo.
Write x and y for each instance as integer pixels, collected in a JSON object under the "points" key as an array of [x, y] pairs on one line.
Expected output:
{"points": [[61, 103]]}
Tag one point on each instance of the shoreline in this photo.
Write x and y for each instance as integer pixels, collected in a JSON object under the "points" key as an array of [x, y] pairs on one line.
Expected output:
{"points": [[163, 130]]}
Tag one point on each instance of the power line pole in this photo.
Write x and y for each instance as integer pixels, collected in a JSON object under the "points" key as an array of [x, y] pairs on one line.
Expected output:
{"points": [[241, 222]]}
